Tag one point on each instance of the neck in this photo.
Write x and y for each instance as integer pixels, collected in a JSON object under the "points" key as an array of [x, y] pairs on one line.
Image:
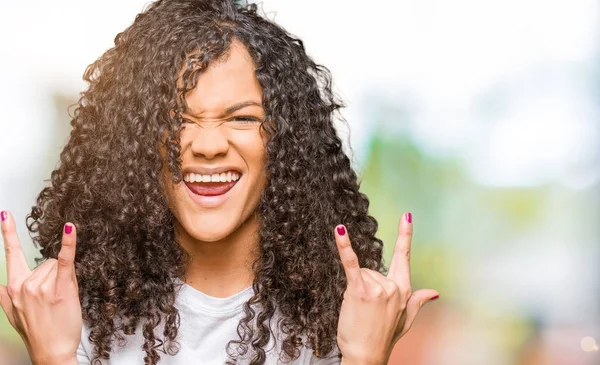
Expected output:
{"points": [[224, 267]]}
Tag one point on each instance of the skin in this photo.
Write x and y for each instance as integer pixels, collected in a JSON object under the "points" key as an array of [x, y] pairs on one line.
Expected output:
{"points": [[376, 310], [222, 240], [40, 301]]}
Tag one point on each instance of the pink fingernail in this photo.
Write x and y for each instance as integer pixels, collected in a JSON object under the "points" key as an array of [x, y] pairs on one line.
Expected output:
{"points": [[408, 217], [434, 298], [4, 215], [68, 228], [341, 230]]}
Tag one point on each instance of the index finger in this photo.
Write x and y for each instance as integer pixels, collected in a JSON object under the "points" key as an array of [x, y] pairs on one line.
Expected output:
{"points": [[400, 265], [16, 264], [349, 258], [66, 256]]}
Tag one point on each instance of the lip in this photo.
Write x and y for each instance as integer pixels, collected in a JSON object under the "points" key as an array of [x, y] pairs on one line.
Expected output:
{"points": [[210, 201]]}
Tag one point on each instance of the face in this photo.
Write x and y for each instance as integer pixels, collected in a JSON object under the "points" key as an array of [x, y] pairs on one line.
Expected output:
{"points": [[222, 150]]}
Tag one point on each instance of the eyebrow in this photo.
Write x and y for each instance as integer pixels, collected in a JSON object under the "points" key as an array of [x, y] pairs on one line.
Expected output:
{"points": [[231, 109], [239, 106]]}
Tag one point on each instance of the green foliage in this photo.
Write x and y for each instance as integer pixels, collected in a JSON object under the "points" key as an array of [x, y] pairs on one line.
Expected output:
{"points": [[397, 178]]}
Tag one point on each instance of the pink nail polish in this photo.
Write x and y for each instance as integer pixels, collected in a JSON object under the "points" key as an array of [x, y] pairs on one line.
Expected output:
{"points": [[408, 217], [4, 215], [341, 230], [434, 298], [68, 228]]}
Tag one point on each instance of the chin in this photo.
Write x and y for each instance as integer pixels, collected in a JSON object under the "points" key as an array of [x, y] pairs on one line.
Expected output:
{"points": [[210, 236], [209, 231], [214, 224]]}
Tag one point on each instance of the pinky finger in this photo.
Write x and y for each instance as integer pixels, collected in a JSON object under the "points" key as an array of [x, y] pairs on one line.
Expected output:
{"points": [[415, 303]]}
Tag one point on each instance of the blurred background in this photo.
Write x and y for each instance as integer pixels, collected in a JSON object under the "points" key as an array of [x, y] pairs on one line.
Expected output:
{"points": [[482, 118]]}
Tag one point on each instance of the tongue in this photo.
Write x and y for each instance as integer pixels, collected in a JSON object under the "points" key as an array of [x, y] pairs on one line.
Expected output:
{"points": [[210, 188]]}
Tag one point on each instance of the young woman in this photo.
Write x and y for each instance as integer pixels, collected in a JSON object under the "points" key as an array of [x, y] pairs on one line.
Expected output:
{"points": [[202, 209]]}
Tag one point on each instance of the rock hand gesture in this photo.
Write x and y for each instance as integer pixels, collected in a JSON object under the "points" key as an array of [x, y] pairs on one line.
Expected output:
{"points": [[43, 304], [377, 310]]}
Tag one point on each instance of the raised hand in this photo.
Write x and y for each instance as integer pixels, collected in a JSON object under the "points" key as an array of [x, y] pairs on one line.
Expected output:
{"points": [[377, 310], [43, 304]]}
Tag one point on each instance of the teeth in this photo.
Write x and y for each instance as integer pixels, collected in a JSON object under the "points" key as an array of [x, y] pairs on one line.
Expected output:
{"points": [[222, 177]]}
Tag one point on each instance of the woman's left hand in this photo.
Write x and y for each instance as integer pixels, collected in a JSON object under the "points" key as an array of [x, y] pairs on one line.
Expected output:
{"points": [[377, 310]]}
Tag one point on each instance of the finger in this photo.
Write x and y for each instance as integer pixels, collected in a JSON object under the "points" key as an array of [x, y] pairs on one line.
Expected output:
{"points": [[400, 265], [376, 283], [415, 303], [66, 256], [390, 286], [6, 303], [16, 264], [40, 273], [349, 258], [50, 281]]}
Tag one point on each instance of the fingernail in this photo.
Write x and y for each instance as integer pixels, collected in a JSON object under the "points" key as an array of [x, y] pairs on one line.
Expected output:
{"points": [[4, 215], [68, 228], [408, 217], [434, 298], [341, 230]]}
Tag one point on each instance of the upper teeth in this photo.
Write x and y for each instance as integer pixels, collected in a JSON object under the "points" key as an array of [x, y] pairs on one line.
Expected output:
{"points": [[222, 177]]}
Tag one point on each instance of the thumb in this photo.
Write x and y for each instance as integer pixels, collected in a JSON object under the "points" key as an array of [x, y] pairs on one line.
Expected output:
{"points": [[415, 303]]}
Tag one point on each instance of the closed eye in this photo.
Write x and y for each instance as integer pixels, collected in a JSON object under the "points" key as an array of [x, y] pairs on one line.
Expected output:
{"points": [[244, 119]]}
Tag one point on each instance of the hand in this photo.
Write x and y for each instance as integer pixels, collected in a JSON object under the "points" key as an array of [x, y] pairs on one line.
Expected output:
{"points": [[377, 310], [43, 305]]}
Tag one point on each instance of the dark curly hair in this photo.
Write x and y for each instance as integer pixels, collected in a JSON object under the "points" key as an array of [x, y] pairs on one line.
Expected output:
{"points": [[108, 183]]}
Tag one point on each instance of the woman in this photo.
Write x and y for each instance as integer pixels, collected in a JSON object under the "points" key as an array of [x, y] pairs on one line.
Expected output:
{"points": [[206, 206]]}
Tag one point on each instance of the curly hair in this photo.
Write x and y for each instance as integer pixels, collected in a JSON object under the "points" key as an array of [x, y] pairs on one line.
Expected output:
{"points": [[108, 183]]}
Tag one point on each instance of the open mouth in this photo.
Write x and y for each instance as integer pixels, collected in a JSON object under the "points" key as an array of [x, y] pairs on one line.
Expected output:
{"points": [[211, 185]]}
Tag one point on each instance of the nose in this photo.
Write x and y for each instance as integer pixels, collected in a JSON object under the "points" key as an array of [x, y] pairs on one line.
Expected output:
{"points": [[210, 143]]}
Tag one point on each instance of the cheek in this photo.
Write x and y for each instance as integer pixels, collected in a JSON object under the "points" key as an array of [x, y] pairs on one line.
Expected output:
{"points": [[250, 145], [255, 156], [252, 150]]}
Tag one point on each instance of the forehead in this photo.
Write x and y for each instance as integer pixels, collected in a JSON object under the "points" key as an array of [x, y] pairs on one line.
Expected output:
{"points": [[226, 82]]}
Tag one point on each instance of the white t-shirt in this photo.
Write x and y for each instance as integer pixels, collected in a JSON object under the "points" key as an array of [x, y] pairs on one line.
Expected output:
{"points": [[207, 324]]}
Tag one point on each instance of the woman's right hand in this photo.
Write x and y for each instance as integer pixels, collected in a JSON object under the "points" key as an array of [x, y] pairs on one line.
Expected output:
{"points": [[43, 304]]}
